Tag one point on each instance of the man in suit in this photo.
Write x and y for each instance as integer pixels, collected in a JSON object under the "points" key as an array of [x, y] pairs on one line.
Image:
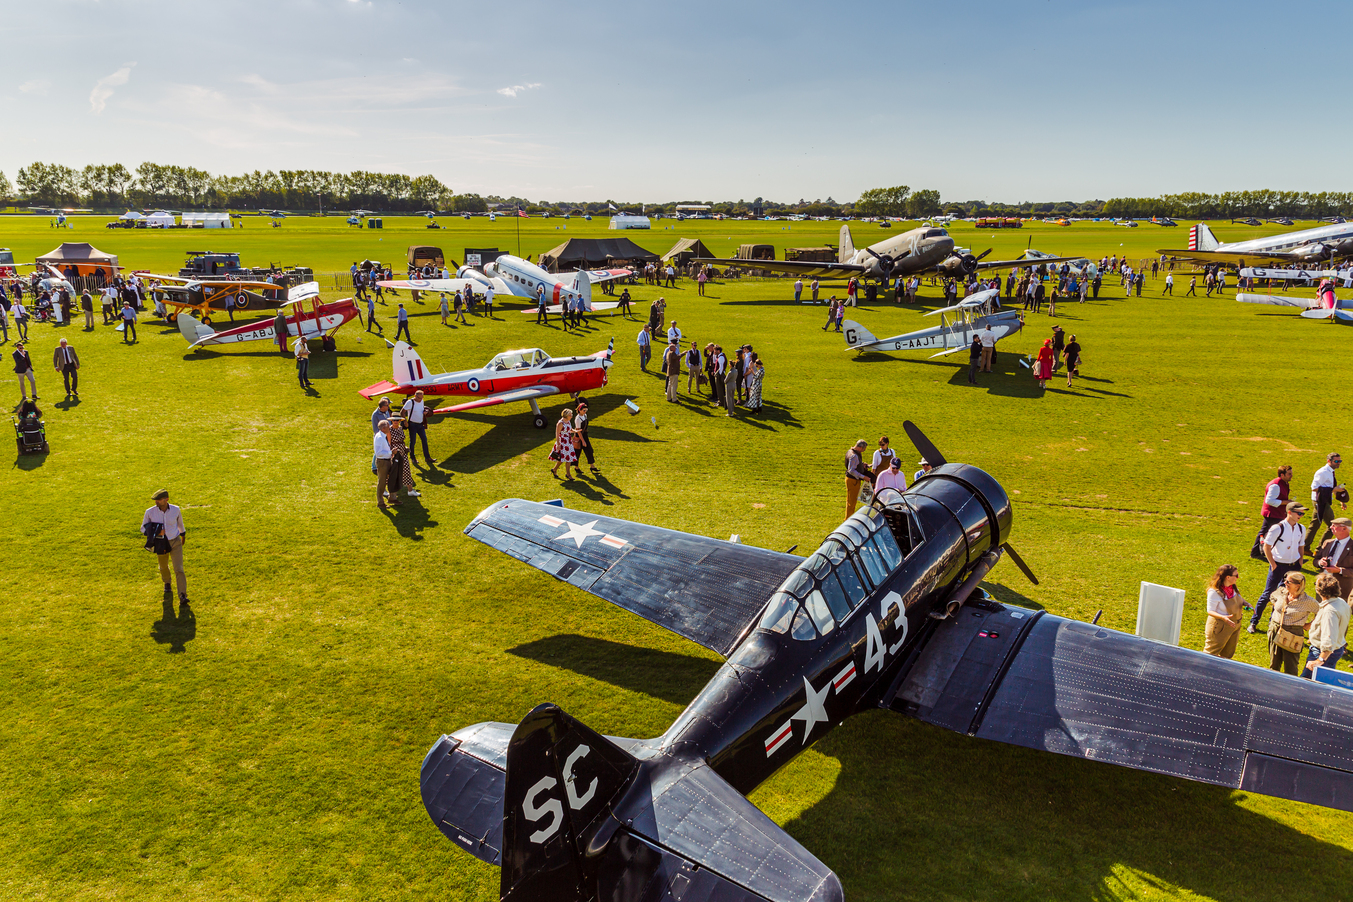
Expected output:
{"points": [[1335, 555], [67, 363]]}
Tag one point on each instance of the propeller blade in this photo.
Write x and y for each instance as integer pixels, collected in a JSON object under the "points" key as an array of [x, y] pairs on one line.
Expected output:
{"points": [[984, 253], [870, 250], [1019, 562], [923, 444]]}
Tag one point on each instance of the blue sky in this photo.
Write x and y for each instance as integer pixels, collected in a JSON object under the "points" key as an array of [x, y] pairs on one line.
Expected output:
{"points": [[1012, 101]]}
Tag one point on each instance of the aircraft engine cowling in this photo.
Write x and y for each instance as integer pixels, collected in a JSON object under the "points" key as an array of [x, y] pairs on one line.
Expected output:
{"points": [[1316, 251], [490, 270], [474, 275], [958, 265]]}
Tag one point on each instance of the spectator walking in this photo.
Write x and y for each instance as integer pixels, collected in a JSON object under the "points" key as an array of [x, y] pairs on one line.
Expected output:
{"points": [[831, 313], [671, 370], [301, 349], [1282, 549], [1293, 609], [542, 316], [162, 525], [1224, 606], [1193, 287], [1169, 285], [488, 301], [581, 422], [798, 290], [565, 451], [383, 454], [1323, 484], [279, 328], [1335, 556], [856, 475], [20, 317], [1329, 629], [371, 317], [415, 414], [625, 303], [402, 317], [444, 308], [1274, 509], [87, 305], [974, 359], [67, 363], [645, 344], [1043, 363], [1072, 355], [23, 368]]}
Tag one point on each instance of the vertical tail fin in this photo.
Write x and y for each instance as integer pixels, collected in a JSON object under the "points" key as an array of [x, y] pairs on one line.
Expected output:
{"points": [[407, 365], [582, 285], [562, 778], [856, 335], [847, 251], [1202, 239], [193, 330]]}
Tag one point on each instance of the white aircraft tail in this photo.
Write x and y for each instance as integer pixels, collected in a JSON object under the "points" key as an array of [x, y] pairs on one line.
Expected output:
{"points": [[856, 335], [193, 330], [407, 365], [582, 284], [1202, 239], [847, 251]]}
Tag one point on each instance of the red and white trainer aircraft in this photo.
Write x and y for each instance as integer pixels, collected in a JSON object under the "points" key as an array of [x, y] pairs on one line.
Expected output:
{"points": [[320, 319], [527, 375], [509, 275]]}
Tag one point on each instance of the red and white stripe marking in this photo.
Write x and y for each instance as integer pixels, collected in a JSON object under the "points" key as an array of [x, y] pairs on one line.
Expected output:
{"points": [[613, 541], [779, 737], [843, 678], [551, 521]]}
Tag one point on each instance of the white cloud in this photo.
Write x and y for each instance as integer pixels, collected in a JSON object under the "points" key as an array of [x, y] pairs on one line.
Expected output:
{"points": [[103, 88], [35, 86], [517, 89]]}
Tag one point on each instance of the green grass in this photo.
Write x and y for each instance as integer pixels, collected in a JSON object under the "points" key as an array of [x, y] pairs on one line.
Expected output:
{"points": [[273, 751]]}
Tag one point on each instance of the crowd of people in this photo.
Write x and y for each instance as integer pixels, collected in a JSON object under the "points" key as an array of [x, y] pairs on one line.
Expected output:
{"points": [[1297, 621], [734, 381]]}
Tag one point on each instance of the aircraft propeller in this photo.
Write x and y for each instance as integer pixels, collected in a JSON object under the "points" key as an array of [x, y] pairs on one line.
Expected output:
{"points": [[886, 263], [933, 456]]}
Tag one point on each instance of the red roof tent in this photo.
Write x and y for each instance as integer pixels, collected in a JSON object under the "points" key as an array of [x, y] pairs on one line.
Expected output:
{"points": [[84, 256]]}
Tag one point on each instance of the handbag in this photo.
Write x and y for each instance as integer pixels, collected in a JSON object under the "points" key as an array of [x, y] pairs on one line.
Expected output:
{"points": [[1281, 636]]}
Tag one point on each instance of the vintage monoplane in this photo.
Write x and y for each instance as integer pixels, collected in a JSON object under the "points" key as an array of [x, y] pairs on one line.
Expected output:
{"points": [[509, 275], [528, 374], [204, 296], [971, 315], [885, 614], [927, 249], [304, 312]]}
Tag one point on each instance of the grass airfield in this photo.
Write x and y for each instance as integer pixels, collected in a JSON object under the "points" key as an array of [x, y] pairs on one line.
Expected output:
{"points": [[270, 748]]}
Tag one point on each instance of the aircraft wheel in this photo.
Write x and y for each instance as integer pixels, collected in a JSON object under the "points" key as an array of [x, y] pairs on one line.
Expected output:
{"points": [[539, 421]]}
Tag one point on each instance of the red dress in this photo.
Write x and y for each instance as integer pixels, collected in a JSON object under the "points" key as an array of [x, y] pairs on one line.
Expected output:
{"points": [[1043, 368]]}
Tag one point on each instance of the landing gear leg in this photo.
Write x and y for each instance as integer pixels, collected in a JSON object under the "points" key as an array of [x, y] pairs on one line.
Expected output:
{"points": [[539, 420]]}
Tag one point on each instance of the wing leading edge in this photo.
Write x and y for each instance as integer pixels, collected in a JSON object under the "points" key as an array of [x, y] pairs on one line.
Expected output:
{"points": [[1042, 682], [705, 590]]}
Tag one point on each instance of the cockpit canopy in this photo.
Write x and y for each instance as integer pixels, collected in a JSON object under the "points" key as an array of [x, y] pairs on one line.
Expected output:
{"points": [[936, 233], [857, 558], [519, 360]]}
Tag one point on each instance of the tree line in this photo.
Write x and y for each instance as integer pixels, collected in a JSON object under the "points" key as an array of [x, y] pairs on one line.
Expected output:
{"points": [[1233, 204]]}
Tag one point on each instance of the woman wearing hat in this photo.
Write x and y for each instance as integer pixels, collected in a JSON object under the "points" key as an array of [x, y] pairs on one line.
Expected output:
{"points": [[1293, 609], [1043, 364]]}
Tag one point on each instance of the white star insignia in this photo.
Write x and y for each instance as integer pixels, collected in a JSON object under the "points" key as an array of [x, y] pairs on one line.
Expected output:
{"points": [[578, 532], [812, 711]]}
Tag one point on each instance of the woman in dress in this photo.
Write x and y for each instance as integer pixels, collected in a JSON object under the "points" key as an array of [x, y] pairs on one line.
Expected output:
{"points": [[1223, 613], [564, 451], [445, 308], [754, 384], [401, 473], [1043, 364]]}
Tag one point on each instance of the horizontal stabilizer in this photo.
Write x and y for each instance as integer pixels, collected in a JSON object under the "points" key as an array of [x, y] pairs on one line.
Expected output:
{"points": [[1318, 313], [706, 590], [192, 329], [1276, 300]]}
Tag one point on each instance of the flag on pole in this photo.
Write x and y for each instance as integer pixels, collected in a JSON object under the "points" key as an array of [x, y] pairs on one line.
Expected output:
{"points": [[522, 213], [612, 206]]}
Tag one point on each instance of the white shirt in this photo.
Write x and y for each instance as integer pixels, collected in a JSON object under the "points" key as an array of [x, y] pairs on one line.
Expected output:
{"points": [[488, 295], [1216, 603], [1273, 497], [171, 518], [1285, 540], [414, 409], [381, 444], [673, 335], [988, 338], [1324, 478], [880, 458], [1329, 630]]}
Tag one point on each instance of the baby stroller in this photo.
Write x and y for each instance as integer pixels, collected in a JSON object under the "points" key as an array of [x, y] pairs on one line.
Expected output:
{"points": [[29, 430]]}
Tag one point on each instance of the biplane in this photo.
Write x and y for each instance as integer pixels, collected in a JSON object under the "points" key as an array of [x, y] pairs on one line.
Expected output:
{"points": [[230, 296], [970, 316], [305, 314]]}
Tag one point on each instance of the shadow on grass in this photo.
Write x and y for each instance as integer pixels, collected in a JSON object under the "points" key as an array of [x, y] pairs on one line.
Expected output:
{"points": [[410, 518], [29, 462], [666, 675], [1007, 595], [516, 436], [175, 631]]}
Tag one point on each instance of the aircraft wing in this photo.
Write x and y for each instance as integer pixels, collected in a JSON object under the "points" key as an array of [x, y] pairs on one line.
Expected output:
{"points": [[595, 275], [503, 397], [1031, 679], [1276, 300], [997, 264], [706, 590], [447, 285], [1228, 257], [794, 267]]}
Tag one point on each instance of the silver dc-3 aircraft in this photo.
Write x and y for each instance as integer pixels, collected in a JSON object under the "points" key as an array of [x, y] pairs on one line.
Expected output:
{"points": [[1325, 242], [974, 313], [886, 614], [928, 249]]}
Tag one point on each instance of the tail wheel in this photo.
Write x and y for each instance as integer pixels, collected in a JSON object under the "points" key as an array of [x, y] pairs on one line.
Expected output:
{"points": [[539, 421]]}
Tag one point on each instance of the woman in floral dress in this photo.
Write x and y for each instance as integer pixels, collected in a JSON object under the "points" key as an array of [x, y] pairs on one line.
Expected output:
{"points": [[564, 451]]}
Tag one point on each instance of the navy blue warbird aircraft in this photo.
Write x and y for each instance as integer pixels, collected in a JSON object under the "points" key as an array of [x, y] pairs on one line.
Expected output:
{"points": [[886, 613]]}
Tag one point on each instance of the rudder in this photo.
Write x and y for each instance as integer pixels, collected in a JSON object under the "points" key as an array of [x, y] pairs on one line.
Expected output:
{"points": [[1202, 239], [847, 251], [407, 365], [856, 335]]}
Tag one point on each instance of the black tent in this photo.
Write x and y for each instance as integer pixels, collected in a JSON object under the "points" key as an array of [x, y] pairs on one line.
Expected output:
{"points": [[584, 253]]}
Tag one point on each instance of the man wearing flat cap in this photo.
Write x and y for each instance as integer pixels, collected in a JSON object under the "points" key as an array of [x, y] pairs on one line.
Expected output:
{"points": [[164, 531], [1282, 550], [1335, 555]]}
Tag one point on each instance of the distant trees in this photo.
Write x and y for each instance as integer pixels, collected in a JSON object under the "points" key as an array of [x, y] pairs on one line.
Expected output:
{"points": [[6, 189], [160, 185], [922, 203], [1234, 204], [883, 201]]}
